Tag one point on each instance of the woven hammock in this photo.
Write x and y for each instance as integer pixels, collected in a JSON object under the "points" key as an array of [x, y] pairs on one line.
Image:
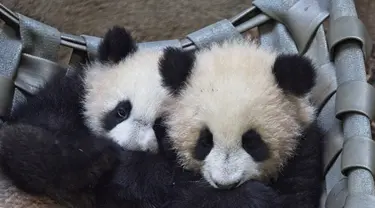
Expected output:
{"points": [[346, 102]]}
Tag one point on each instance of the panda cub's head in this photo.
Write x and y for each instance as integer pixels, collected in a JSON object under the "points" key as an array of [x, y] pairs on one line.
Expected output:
{"points": [[239, 112], [124, 96]]}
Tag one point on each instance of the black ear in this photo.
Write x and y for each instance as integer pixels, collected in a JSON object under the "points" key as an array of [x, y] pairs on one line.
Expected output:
{"points": [[175, 68], [294, 74], [116, 45]]}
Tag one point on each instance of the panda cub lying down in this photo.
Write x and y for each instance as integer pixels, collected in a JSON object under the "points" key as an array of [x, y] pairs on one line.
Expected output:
{"points": [[140, 128], [64, 138]]}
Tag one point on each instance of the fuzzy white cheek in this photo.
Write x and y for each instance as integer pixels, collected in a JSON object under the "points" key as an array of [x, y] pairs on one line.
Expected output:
{"points": [[224, 170], [133, 136]]}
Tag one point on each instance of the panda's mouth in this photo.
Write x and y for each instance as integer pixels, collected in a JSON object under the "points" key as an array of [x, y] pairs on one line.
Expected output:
{"points": [[226, 186]]}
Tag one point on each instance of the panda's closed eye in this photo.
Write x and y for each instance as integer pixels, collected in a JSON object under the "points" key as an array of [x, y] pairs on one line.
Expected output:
{"points": [[204, 144], [119, 114], [254, 145]]}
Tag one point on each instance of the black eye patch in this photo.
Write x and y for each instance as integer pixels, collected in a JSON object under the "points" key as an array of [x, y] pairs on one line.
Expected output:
{"points": [[119, 114], [204, 144], [254, 145]]}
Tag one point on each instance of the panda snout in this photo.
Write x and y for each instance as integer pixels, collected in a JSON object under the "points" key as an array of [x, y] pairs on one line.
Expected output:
{"points": [[225, 171], [229, 185]]}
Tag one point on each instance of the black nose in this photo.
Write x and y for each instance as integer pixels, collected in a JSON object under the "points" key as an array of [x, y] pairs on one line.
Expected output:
{"points": [[227, 185]]}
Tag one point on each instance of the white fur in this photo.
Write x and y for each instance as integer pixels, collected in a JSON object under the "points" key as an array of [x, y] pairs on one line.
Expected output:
{"points": [[232, 89], [137, 79], [235, 169]]}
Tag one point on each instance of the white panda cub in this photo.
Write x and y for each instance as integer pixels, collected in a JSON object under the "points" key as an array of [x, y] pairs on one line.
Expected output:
{"points": [[244, 113], [124, 100], [69, 134]]}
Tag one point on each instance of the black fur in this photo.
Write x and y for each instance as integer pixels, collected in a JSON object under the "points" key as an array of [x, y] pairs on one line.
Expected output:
{"points": [[116, 45], [295, 74], [46, 149], [300, 182], [142, 180], [175, 68], [251, 194]]}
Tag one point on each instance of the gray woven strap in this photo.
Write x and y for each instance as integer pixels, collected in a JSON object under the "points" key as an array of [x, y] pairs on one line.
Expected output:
{"points": [[40, 48], [326, 86], [6, 95], [216, 32], [34, 72], [274, 36], [333, 175], [334, 141], [355, 96], [10, 54], [302, 18], [348, 28], [358, 152], [79, 57], [326, 83], [92, 45], [350, 66], [39, 39], [158, 45], [336, 197]]}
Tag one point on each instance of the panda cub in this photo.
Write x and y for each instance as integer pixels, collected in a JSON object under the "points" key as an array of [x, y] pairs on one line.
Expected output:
{"points": [[242, 112], [63, 142], [241, 117], [144, 179], [71, 132]]}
